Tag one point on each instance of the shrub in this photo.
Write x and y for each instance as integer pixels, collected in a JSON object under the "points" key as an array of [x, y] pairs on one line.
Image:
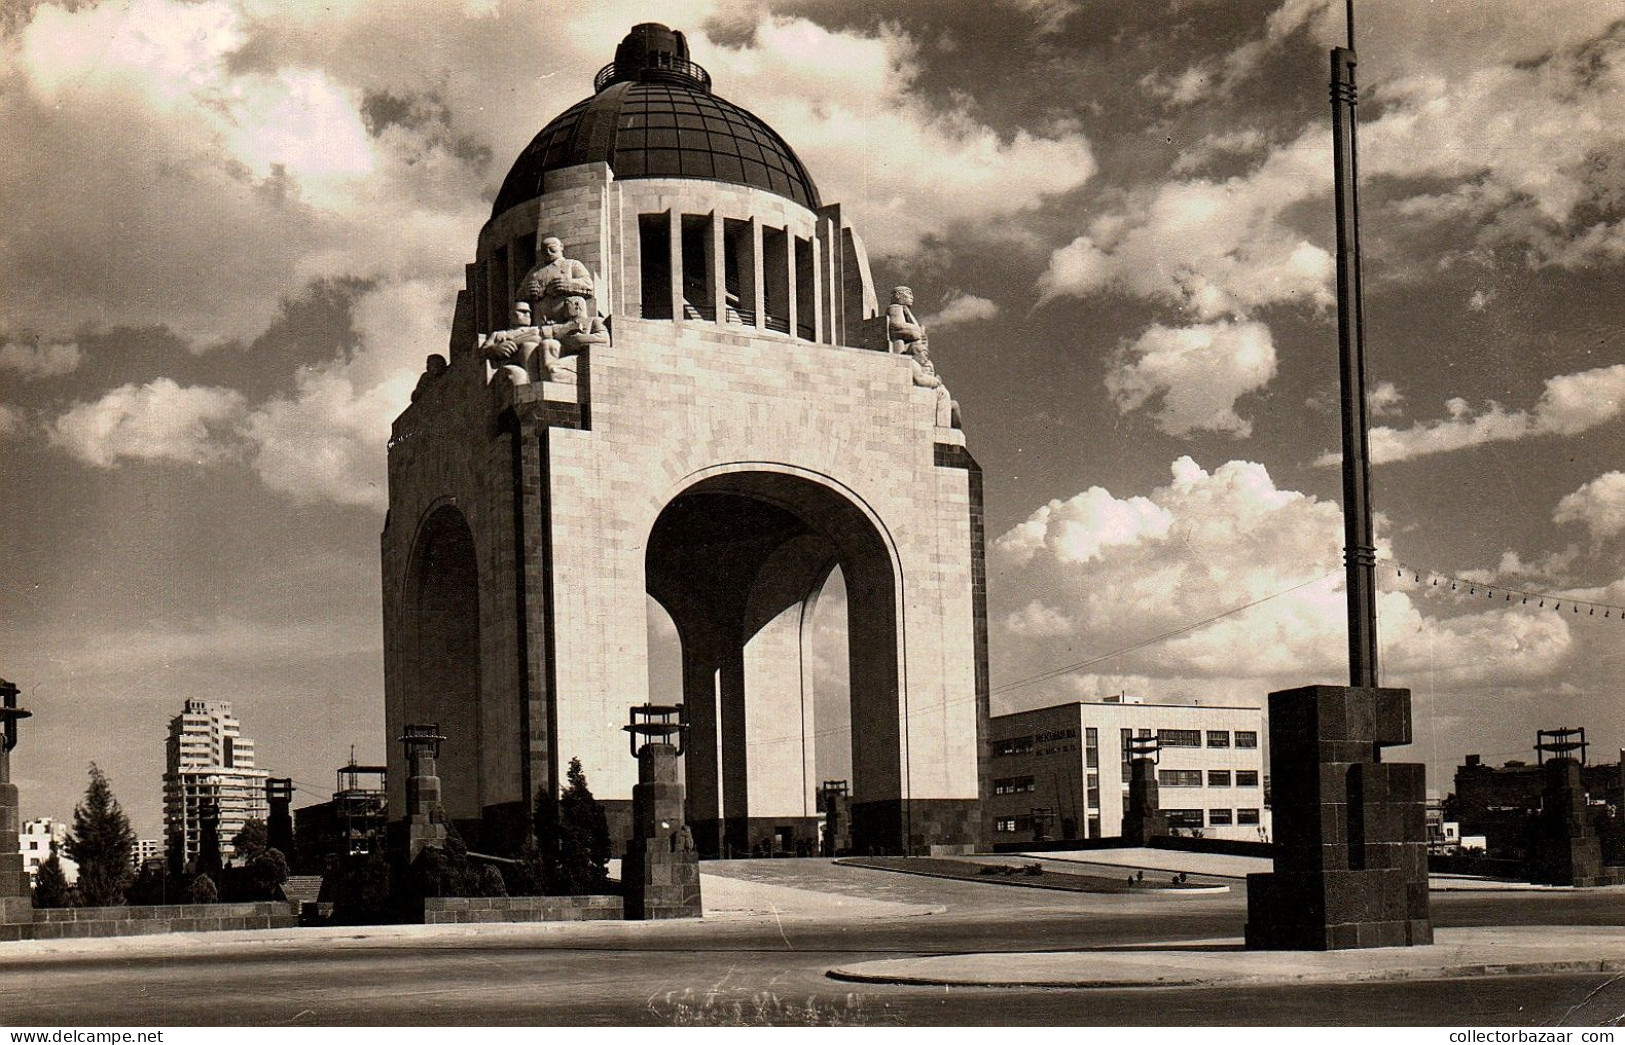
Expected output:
{"points": [[202, 890]]}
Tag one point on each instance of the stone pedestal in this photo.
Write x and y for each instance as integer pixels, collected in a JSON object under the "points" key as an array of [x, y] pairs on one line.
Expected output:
{"points": [[425, 817], [1143, 819], [1565, 849], [1350, 832], [661, 870], [837, 806]]}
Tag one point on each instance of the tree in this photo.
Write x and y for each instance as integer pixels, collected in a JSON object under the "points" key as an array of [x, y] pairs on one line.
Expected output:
{"points": [[202, 890], [266, 872], [100, 843], [583, 838], [50, 884], [252, 840]]}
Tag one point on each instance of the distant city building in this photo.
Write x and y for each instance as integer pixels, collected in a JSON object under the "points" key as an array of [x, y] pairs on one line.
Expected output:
{"points": [[209, 761], [145, 849], [352, 823], [1062, 772], [35, 841], [1499, 802]]}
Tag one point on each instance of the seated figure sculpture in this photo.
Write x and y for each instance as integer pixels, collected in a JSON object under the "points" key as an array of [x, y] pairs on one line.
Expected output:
{"points": [[554, 280], [905, 336], [511, 349], [563, 342]]}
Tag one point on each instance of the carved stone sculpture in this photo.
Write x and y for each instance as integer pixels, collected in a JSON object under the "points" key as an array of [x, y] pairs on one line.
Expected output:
{"points": [[433, 367], [511, 349], [554, 281], [564, 341], [905, 336]]}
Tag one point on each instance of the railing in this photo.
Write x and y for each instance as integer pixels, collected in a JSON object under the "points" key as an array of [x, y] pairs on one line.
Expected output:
{"points": [[667, 69]]}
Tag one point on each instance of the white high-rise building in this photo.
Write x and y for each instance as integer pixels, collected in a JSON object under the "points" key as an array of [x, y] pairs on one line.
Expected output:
{"points": [[209, 762]]}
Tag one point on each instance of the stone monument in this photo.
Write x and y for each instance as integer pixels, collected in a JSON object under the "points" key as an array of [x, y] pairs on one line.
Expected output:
{"points": [[279, 820], [835, 801], [1143, 820], [1563, 847], [1350, 831], [425, 817], [16, 904], [661, 872], [717, 430]]}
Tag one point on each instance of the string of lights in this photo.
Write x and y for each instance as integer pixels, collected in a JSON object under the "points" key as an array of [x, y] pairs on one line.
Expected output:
{"points": [[1503, 593]]}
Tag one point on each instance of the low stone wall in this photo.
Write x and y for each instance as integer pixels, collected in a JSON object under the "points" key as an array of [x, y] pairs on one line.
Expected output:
{"points": [[69, 923], [456, 910]]}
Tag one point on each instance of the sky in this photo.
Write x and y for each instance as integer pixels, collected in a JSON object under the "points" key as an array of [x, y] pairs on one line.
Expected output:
{"points": [[230, 231]]}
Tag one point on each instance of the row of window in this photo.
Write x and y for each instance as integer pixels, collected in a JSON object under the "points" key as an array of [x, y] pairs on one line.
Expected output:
{"points": [[1012, 785], [1244, 738], [1215, 778], [1216, 738], [1214, 817]]}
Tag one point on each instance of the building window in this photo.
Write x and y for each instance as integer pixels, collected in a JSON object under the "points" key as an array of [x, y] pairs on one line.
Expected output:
{"points": [[1091, 748], [1185, 818], [1218, 778], [1180, 737], [1179, 778], [1246, 816], [1218, 817], [1218, 738], [1246, 738], [1012, 785], [1012, 746], [1005, 826], [1246, 778], [654, 265], [1094, 827], [1094, 792]]}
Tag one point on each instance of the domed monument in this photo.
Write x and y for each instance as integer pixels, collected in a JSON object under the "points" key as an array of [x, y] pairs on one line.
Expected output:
{"points": [[670, 376]]}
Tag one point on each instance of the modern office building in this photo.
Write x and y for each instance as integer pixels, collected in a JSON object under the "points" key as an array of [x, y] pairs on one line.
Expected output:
{"points": [[35, 840], [1062, 772], [209, 763]]}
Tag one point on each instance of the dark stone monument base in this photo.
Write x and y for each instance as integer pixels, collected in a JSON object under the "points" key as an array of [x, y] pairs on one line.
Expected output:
{"points": [[16, 910], [660, 884], [1350, 832]]}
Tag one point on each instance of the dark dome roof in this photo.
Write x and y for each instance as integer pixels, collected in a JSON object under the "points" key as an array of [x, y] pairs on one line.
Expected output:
{"points": [[654, 116]]}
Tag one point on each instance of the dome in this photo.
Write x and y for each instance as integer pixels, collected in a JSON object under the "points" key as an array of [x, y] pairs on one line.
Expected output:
{"points": [[654, 116]]}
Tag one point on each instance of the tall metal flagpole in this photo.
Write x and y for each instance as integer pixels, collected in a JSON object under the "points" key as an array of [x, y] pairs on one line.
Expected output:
{"points": [[1359, 549]]}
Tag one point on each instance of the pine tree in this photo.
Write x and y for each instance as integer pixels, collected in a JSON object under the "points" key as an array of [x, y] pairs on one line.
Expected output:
{"points": [[50, 884], [100, 843], [251, 841], [583, 838]]}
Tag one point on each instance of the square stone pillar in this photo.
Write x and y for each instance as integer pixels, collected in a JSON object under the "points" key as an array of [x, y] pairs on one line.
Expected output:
{"points": [[1350, 832], [661, 871]]}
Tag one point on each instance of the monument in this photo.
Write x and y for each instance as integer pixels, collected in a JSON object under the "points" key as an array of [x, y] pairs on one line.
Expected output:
{"points": [[1563, 845], [16, 903], [1143, 819], [660, 873], [279, 822], [698, 407], [425, 816]]}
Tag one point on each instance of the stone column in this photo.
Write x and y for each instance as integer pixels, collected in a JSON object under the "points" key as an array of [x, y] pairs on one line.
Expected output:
{"points": [[16, 904], [1565, 849], [660, 872], [279, 824], [425, 817], [835, 799], [1143, 820]]}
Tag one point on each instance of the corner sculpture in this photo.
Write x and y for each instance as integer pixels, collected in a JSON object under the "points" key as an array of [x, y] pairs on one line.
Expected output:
{"points": [[661, 871], [906, 337], [15, 904], [554, 281], [563, 323]]}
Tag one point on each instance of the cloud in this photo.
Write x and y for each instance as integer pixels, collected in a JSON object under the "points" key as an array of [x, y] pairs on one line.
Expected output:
{"points": [[1211, 248], [39, 360], [1570, 404], [1199, 372], [1198, 548], [961, 309], [11, 421], [157, 421], [1599, 504], [1384, 400]]}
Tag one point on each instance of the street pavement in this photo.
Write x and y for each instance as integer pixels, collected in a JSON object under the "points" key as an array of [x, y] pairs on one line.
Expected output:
{"points": [[762, 956]]}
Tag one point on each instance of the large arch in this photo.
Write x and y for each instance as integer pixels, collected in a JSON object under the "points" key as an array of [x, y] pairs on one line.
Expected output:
{"points": [[737, 558], [441, 622]]}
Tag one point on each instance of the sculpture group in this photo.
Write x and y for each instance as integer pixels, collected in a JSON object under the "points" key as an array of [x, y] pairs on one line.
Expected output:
{"points": [[563, 324]]}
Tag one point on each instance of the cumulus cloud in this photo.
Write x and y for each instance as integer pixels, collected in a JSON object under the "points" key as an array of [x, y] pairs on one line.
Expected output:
{"points": [[1384, 400], [1599, 504], [11, 421], [1205, 544], [961, 309], [1199, 372], [1570, 404], [39, 360], [157, 421]]}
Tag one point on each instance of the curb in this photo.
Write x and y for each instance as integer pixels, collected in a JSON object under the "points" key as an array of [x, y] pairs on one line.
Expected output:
{"points": [[1470, 970], [1193, 890]]}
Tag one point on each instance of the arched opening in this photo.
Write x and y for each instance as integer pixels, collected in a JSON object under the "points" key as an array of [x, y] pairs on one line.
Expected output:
{"points": [[739, 561], [442, 616]]}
